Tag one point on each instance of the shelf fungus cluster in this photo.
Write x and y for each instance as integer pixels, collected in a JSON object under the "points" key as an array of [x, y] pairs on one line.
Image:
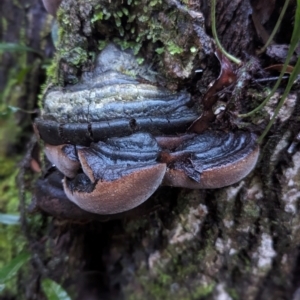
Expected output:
{"points": [[116, 136]]}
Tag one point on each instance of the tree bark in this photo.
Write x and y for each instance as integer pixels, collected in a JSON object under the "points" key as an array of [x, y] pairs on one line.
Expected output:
{"points": [[239, 242]]}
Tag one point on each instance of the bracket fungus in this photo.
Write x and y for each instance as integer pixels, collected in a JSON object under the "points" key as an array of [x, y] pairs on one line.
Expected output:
{"points": [[114, 139]]}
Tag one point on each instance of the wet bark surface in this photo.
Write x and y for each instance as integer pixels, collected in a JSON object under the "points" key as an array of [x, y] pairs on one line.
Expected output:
{"points": [[239, 242]]}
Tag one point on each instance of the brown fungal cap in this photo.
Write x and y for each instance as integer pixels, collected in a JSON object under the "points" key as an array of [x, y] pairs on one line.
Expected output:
{"points": [[216, 160], [125, 193], [117, 175], [64, 157]]}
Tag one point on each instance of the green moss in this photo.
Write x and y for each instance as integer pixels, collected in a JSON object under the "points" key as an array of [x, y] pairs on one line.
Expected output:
{"points": [[233, 293], [11, 243], [101, 44], [202, 291], [175, 269], [174, 49], [98, 16], [11, 239], [8, 131], [9, 200], [159, 288], [251, 210], [131, 27], [165, 286], [71, 46], [4, 24], [184, 271], [124, 44], [77, 55], [172, 279], [164, 279], [135, 225], [51, 71], [154, 3]]}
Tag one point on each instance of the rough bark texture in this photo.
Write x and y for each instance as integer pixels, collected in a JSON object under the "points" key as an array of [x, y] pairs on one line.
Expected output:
{"points": [[239, 242]]}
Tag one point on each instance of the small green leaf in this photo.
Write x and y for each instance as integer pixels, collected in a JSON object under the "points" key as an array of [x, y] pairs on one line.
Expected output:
{"points": [[11, 269], [160, 50], [143, 18], [107, 16], [125, 11], [174, 49], [153, 3], [131, 18], [102, 44], [54, 291], [97, 17], [117, 20], [9, 219], [140, 60], [12, 47], [193, 49], [120, 13]]}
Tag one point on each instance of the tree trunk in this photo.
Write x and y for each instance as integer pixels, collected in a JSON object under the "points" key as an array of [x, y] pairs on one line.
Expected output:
{"points": [[238, 242]]}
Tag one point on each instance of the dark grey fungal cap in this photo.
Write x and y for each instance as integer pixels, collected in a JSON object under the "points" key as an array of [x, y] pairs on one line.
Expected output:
{"points": [[113, 101], [112, 92]]}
